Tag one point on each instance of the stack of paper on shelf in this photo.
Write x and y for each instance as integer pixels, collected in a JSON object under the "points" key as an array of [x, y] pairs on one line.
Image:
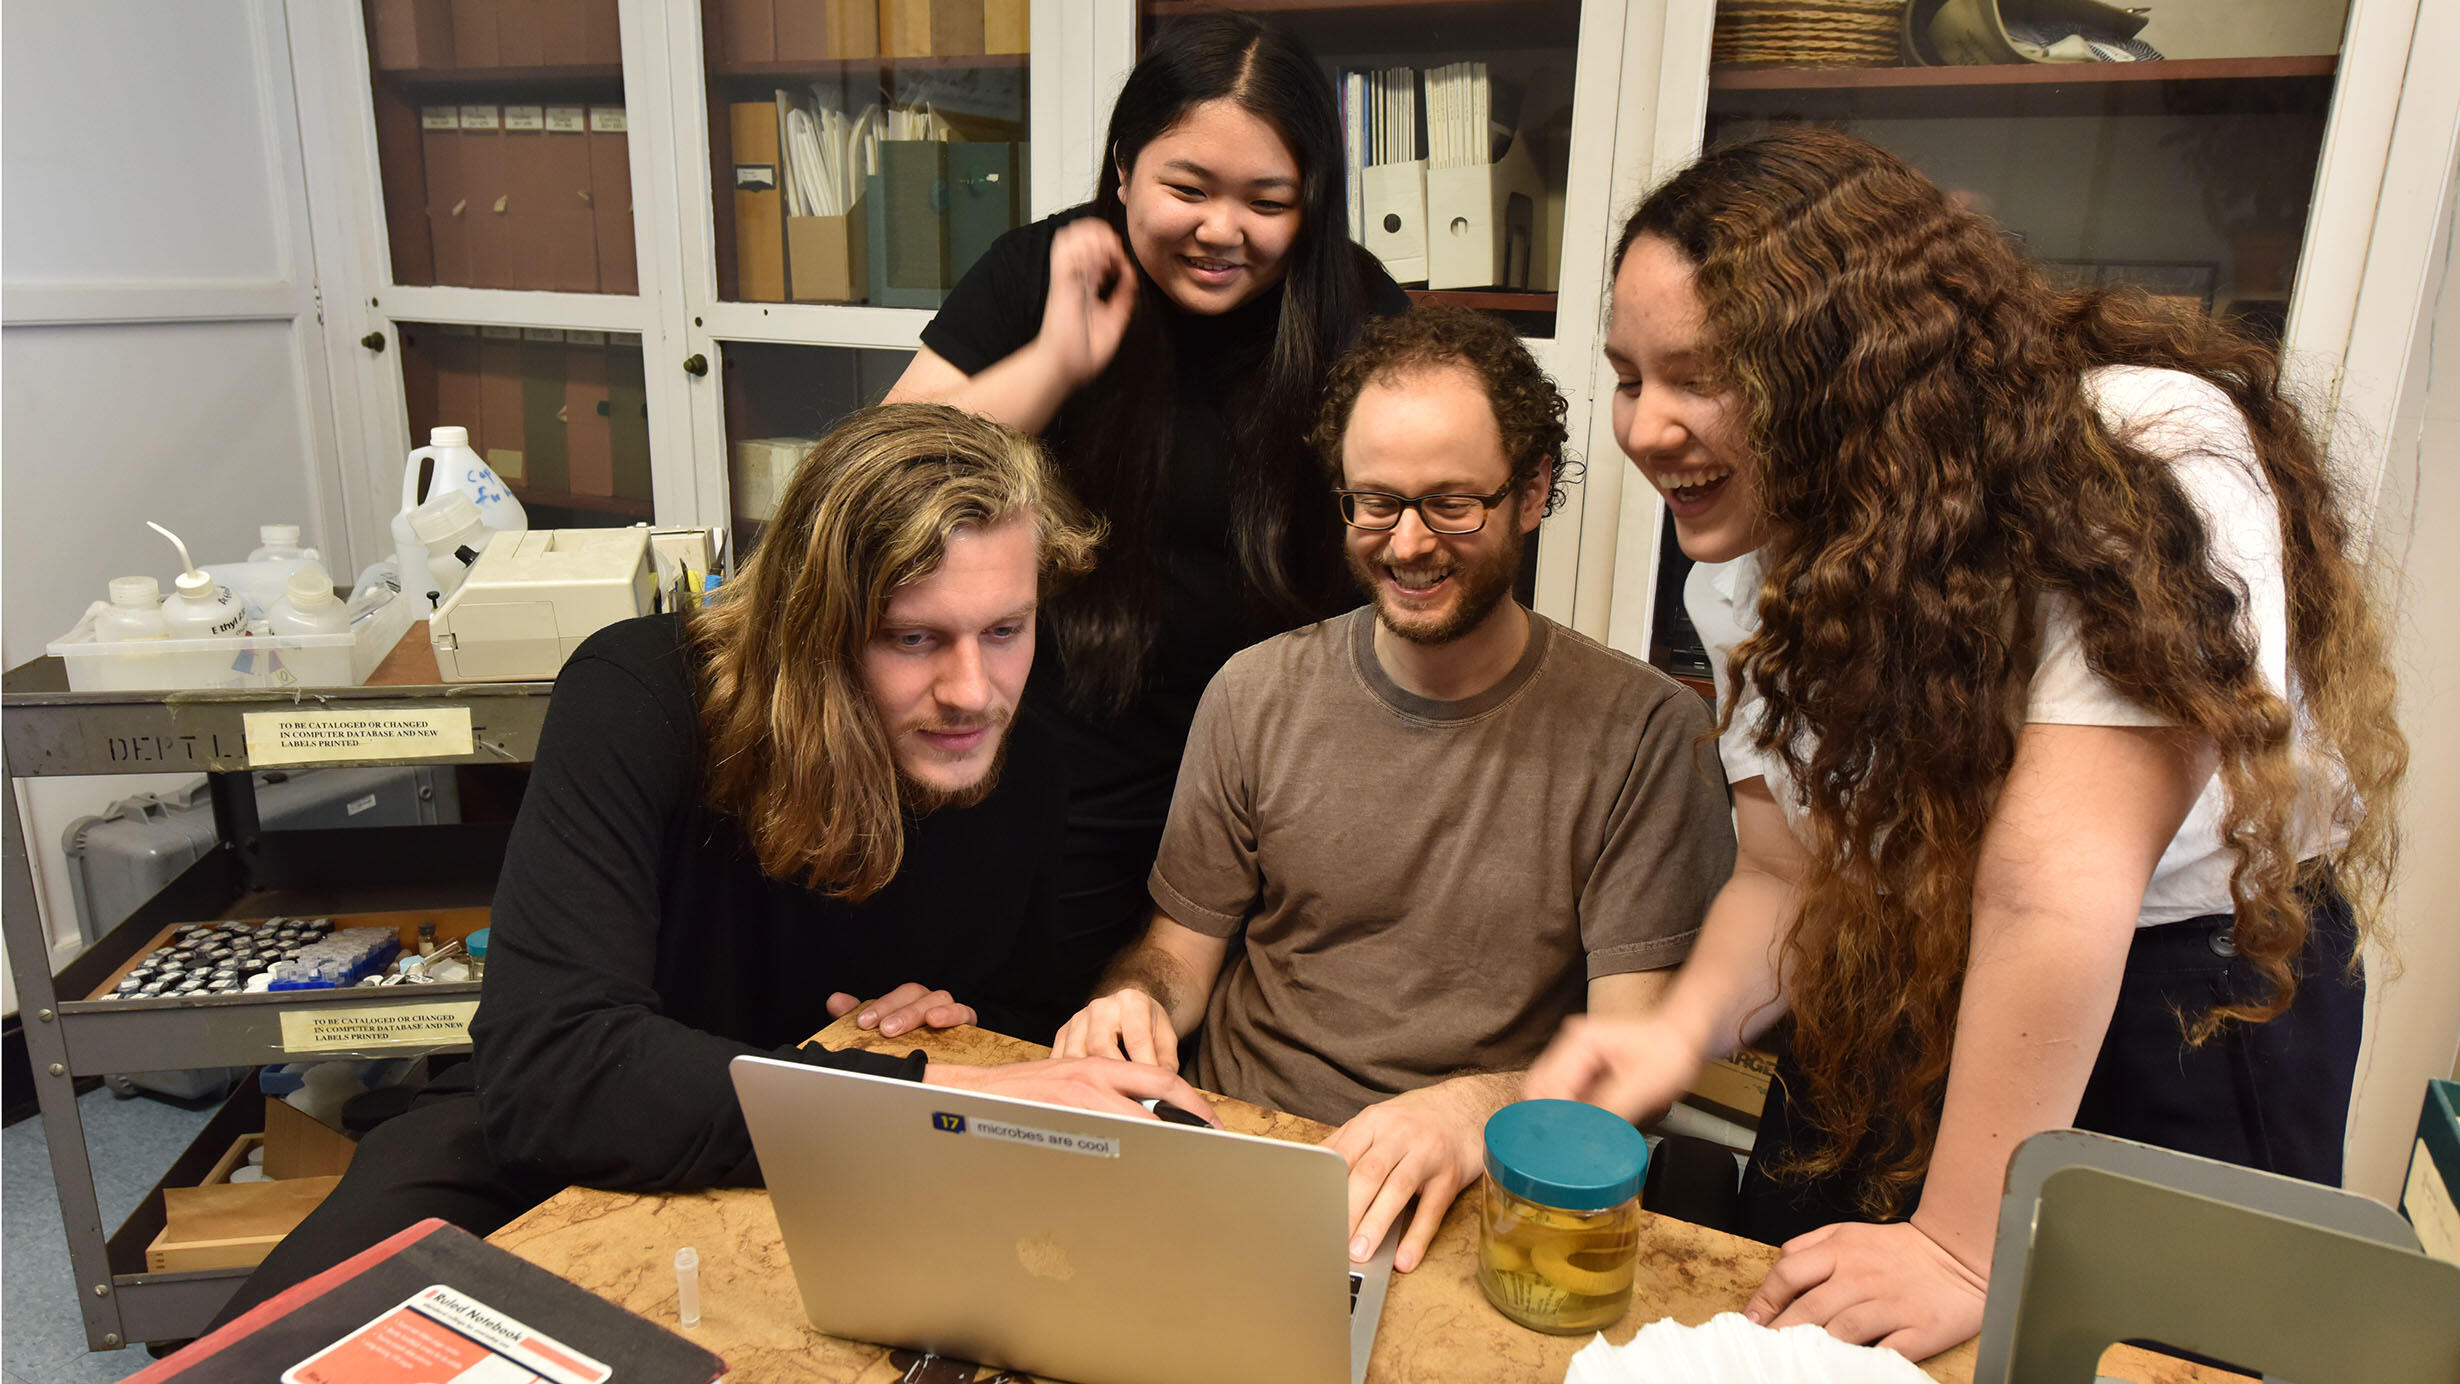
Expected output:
{"points": [[1392, 184], [1481, 207]]}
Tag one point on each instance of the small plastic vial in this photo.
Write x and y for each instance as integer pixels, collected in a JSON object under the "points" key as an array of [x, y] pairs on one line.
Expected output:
{"points": [[1561, 1225]]}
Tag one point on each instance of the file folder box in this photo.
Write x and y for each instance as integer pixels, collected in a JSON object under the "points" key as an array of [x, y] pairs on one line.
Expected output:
{"points": [[520, 33], [499, 403], [760, 205], [448, 207], [827, 30], [487, 195], [563, 39], [545, 460], [474, 34], [1482, 223], [410, 35], [589, 442], [748, 30], [930, 28], [610, 200], [908, 232], [828, 258], [567, 223], [986, 198], [602, 42], [1395, 198], [1007, 26], [453, 347], [627, 397]]}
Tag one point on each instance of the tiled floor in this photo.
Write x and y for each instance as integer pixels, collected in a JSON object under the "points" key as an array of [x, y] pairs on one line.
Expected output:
{"points": [[131, 1142]]}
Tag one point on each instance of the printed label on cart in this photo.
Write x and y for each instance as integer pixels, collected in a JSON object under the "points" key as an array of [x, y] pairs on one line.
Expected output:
{"points": [[345, 737], [326, 1028], [440, 1334], [1007, 1133]]}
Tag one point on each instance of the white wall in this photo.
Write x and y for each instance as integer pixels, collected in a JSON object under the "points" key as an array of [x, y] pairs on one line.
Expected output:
{"points": [[160, 351], [2415, 1018]]}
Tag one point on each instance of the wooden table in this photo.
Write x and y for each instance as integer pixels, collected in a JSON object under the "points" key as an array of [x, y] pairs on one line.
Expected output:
{"points": [[1437, 1326]]}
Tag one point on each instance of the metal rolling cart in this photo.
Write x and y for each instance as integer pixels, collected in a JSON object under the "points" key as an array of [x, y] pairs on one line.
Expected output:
{"points": [[49, 730]]}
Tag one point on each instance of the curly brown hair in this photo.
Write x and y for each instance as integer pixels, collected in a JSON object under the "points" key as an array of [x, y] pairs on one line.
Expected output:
{"points": [[1929, 462], [794, 747], [1529, 410]]}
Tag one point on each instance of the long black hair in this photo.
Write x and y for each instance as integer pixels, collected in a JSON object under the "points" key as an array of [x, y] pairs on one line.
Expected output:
{"points": [[1115, 437]]}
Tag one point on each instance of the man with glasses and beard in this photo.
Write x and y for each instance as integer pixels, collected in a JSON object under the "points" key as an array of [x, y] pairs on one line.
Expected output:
{"points": [[809, 798], [1408, 841]]}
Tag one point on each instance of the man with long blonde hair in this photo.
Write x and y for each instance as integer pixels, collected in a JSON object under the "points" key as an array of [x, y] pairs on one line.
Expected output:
{"points": [[809, 799]]}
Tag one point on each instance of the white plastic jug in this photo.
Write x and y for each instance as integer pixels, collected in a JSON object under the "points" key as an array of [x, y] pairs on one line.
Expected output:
{"points": [[447, 464], [454, 534]]}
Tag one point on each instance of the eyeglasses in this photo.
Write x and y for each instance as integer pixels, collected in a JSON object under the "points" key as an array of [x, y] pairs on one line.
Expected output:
{"points": [[1377, 510]]}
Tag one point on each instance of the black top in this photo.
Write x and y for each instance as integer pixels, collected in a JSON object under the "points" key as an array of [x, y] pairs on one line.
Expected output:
{"points": [[637, 947], [1122, 768]]}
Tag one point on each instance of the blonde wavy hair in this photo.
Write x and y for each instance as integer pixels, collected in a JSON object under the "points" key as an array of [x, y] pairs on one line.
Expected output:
{"points": [[796, 753]]}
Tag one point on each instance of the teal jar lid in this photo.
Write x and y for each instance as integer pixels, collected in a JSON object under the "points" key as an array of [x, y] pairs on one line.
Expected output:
{"points": [[476, 943], [1565, 1153]]}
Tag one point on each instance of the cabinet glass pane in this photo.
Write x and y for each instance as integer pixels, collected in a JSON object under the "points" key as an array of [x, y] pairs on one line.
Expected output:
{"points": [[2189, 175], [862, 151], [502, 143], [779, 400], [562, 416], [1456, 213]]}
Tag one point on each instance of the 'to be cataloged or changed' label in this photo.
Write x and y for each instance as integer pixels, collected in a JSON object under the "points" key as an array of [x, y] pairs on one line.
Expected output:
{"points": [[325, 1028], [1058, 1139], [346, 736]]}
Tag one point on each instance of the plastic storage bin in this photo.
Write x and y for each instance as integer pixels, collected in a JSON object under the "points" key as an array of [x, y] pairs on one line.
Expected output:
{"points": [[243, 660]]}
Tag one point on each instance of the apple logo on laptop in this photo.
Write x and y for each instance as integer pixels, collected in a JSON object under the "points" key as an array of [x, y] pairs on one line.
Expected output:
{"points": [[1044, 1257]]}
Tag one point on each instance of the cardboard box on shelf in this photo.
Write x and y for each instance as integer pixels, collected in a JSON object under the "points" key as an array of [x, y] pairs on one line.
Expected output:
{"points": [[828, 258], [930, 28]]}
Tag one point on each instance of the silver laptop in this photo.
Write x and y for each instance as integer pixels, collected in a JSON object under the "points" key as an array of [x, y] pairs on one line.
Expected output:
{"points": [[1094, 1248]]}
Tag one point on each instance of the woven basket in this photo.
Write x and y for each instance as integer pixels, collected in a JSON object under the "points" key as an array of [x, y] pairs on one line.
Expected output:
{"points": [[1807, 33]]}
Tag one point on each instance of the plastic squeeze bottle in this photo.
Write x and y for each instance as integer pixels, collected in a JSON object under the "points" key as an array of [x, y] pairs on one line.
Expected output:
{"points": [[308, 605], [135, 612], [276, 541], [202, 609]]}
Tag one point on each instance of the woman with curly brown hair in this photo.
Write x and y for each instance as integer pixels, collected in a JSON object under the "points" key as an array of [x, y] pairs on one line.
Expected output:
{"points": [[2054, 706]]}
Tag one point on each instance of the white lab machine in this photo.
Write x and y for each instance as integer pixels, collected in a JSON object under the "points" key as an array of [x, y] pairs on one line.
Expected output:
{"points": [[533, 596]]}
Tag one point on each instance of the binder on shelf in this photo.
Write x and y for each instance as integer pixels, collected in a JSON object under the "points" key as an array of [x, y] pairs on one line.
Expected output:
{"points": [[589, 444], [760, 214], [1482, 222], [827, 30], [908, 233], [448, 205], [474, 34], [520, 34], [411, 35], [562, 33], [986, 198], [500, 402], [453, 347], [568, 223], [545, 460], [487, 191], [627, 397], [1394, 198], [749, 31], [610, 200], [1007, 26], [527, 193], [930, 28]]}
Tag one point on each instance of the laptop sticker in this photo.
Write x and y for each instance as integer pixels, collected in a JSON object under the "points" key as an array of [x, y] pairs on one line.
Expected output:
{"points": [[1001, 1130]]}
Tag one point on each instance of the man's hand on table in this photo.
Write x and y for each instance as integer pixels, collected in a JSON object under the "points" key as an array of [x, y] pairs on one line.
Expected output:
{"points": [[1105, 1084], [1429, 1143], [1885, 1285], [1126, 1023], [910, 1006]]}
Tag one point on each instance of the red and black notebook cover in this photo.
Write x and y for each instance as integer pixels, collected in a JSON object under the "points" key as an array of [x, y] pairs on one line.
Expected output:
{"points": [[437, 1297]]}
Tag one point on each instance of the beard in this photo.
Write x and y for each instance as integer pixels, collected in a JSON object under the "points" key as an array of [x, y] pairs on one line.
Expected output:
{"points": [[921, 799], [1479, 584]]}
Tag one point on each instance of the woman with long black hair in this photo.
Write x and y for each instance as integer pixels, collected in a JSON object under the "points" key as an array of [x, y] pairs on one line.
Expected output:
{"points": [[1168, 340]]}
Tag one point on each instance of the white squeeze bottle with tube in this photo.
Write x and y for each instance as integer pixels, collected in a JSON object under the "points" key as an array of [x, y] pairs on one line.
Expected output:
{"points": [[447, 464], [135, 612], [308, 605], [202, 609]]}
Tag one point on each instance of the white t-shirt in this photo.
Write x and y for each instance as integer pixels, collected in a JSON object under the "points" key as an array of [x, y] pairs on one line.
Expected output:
{"points": [[2166, 413]]}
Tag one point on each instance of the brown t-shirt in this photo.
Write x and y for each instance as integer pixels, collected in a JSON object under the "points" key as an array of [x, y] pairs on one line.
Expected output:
{"points": [[1425, 888]]}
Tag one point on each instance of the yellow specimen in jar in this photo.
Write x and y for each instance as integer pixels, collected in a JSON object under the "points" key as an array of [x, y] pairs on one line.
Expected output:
{"points": [[1558, 1270]]}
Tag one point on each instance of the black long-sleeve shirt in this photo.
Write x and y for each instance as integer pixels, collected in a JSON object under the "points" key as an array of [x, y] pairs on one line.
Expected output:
{"points": [[637, 948]]}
